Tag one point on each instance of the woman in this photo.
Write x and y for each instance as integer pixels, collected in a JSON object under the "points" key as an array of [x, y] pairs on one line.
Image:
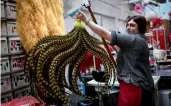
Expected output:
{"points": [[133, 68]]}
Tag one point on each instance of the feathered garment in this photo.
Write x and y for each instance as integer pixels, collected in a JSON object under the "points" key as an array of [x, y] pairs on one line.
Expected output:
{"points": [[37, 19]]}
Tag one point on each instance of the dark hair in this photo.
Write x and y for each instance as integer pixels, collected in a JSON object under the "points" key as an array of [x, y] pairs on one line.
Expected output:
{"points": [[141, 22]]}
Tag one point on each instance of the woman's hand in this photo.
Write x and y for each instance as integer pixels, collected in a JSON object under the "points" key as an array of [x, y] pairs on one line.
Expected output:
{"points": [[81, 16], [102, 32]]}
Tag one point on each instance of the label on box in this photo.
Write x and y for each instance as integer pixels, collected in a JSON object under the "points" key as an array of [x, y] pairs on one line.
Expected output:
{"points": [[2, 10], [19, 80], [15, 45], [5, 83], [11, 28], [4, 46], [17, 62], [11, 10], [5, 65]]}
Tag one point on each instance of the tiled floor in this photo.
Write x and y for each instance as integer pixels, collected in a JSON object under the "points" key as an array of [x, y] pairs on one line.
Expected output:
{"points": [[162, 71]]}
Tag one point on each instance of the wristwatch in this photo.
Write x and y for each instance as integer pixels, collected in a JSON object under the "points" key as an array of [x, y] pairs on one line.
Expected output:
{"points": [[87, 21]]}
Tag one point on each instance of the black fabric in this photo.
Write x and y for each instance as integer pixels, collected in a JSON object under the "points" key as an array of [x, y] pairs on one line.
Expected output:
{"points": [[147, 97], [110, 100]]}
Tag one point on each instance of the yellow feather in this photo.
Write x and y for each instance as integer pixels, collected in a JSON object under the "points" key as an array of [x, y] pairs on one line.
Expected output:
{"points": [[37, 19]]}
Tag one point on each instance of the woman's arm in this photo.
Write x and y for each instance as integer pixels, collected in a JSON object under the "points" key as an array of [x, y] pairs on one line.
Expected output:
{"points": [[119, 39], [102, 32]]}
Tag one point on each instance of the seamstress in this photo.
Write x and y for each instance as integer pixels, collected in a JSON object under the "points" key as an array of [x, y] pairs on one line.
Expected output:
{"points": [[133, 68]]}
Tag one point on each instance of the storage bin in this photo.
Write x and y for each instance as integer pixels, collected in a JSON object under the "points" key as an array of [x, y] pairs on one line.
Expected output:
{"points": [[5, 66], [22, 92], [17, 62], [11, 10], [3, 28], [19, 80], [15, 45], [6, 98], [5, 83], [4, 45], [11, 28], [2, 10]]}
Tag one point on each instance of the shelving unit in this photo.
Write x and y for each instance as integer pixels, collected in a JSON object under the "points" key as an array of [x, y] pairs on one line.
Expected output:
{"points": [[14, 84]]}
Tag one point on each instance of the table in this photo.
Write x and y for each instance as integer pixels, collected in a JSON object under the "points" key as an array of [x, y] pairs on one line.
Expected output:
{"points": [[87, 77], [99, 85], [168, 56], [116, 84], [167, 62]]}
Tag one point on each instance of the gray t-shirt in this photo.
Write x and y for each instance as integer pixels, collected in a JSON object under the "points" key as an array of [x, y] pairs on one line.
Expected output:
{"points": [[133, 59]]}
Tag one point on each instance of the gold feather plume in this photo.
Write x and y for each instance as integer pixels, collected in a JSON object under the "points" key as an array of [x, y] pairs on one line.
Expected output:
{"points": [[37, 19]]}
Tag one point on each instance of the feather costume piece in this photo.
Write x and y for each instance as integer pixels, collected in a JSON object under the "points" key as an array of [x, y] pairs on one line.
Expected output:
{"points": [[37, 19]]}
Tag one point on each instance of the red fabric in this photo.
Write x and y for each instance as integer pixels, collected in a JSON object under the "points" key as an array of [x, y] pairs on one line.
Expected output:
{"points": [[23, 101], [88, 61], [170, 15], [129, 95], [157, 22], [170, 40]]}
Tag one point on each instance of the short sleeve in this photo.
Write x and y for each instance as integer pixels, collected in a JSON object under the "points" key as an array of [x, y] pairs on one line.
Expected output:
{"points": [[122, 40]]}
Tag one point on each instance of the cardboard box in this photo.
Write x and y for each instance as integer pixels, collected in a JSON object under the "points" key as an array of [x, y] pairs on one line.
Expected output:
{"points": [[5, 66], [5, 83], [19, 80], [22, 92], [6, 98], [4, 45], [17, 62], [11, 10], [11, 28], [15, 45]]}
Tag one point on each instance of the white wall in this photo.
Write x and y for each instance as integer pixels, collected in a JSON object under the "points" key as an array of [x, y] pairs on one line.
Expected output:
{"points": [[106, 13], [110, 8], [162, 10]]}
